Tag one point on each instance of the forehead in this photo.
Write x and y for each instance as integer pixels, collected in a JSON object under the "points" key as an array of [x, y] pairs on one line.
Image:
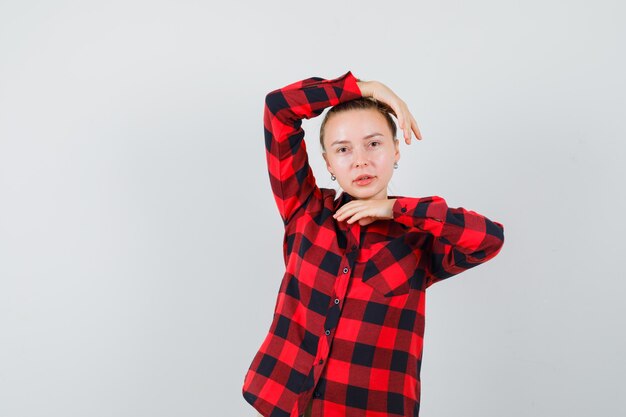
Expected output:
{"points": [[355, 125]]}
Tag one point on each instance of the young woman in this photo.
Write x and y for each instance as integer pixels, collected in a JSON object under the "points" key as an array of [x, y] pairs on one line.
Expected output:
{"points": [[347, 332]]}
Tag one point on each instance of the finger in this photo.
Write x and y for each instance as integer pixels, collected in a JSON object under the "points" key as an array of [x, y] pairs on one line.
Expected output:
{"points": [[416, 129], [401, 127], [406, 128], [365, 221], [408, 131], [354, 218], [409, 126], [348, 212], [343, 208], [412, 127], [357, 216], [401, 121], [406, 124]]}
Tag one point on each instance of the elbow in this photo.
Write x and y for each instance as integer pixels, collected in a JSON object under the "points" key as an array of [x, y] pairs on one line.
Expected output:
{"points": [[275, 101], [494, 239], [499, 235], [491, 244]]}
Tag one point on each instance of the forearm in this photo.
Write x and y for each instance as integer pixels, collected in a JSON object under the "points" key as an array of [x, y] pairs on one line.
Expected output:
{"points": [[465, 229], [287, 106], [291, 176]]}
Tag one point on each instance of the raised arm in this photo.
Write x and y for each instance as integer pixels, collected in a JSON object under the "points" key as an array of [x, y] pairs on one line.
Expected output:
{"points": [[462, 239], [291, 177]]}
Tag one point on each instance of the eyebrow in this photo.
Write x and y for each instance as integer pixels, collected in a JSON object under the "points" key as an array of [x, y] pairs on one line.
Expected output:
{"points": [[371, 135]]}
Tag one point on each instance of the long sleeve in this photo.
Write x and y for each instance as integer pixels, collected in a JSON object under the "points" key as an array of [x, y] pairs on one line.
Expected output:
{"points": [[462, 239], [291, 177]]}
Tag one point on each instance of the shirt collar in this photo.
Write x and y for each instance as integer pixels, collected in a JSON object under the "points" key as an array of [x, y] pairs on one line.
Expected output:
{"points": [[343, 199]]}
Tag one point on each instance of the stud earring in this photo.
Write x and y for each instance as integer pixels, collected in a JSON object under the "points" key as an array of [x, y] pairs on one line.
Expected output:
{"points": [[332, 177], [395, 165]]}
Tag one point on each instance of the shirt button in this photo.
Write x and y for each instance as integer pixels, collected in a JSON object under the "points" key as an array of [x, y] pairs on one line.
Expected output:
{"points": [[327, 332], [321, 361], [336, 300], [345, 270], [403, 209], [316, 394], [353, 247]]}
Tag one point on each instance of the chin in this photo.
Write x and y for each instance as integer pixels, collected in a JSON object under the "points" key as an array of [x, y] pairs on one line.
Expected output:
{"points": [[363, 194]]}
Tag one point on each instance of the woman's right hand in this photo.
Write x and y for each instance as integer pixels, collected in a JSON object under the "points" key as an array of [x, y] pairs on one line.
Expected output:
{"points": [[381, 92]]}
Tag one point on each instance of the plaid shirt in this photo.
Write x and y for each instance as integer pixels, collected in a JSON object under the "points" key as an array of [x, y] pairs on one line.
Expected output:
{"points": [[348, 325]]}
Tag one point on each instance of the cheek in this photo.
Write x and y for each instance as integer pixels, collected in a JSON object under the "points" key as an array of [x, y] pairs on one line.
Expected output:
{"points": [[342, 163], [383, 159]]}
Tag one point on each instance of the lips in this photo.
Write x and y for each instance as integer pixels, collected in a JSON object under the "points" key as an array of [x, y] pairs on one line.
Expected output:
{"points": [[364, 180]]}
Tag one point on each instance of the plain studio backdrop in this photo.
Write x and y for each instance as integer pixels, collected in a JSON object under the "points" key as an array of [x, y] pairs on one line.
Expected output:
{"points": [[140, 245]]}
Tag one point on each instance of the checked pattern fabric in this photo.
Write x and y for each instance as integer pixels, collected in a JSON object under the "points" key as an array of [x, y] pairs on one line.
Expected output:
{"points": [[348, 324]]}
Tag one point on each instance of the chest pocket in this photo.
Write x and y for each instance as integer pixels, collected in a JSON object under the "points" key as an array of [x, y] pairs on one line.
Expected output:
{"points": [[391, 268]]}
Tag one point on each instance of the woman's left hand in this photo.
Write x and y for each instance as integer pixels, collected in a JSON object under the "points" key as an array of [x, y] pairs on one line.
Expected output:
{"points": [[365, 211], [381, 92]]}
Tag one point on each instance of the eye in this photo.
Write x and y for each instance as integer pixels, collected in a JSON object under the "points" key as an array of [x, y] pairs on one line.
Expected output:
{"points": [[377, 142], [340, 149]]}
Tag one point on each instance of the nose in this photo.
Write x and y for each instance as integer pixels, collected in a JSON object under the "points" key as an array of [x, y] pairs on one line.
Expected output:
{"points": [[360, 159]]}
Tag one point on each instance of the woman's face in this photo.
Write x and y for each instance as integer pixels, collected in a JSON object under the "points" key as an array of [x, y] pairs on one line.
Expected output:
{"points": [[359, 143]]}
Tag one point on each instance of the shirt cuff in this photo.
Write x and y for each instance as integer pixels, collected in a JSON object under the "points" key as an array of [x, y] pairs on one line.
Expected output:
{"points": [[350, 83], [425, 213]]}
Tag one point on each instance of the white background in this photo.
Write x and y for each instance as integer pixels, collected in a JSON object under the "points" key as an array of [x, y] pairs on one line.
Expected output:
{"points": [[140, 245]]}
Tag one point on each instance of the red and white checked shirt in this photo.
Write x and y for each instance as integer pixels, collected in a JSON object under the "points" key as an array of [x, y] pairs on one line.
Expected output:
{"points": [[348, 325]]}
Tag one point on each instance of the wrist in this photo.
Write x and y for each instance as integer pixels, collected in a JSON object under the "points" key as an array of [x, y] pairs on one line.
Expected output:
{"points": [[365, 87], [390, 203]]}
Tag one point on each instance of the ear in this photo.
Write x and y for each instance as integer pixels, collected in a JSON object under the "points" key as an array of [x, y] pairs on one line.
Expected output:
{"points": [[328, 167], [397, 154]]}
